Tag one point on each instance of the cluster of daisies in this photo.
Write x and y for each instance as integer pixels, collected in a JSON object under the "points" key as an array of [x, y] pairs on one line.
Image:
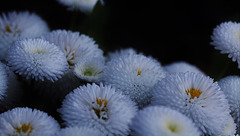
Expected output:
{"points": [[119, 93]]}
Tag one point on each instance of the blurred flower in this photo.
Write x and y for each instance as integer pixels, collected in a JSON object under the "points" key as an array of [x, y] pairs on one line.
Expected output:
{"points": [[86, 6], [135, 76], [76, 47], [3, 81], [162, 121], [230, 85], [27, 122], [18, 25], [196, 96], [79, 131], [230, 129], [98, 107], [89, 70], [226, 38], [120, 53], [37, 59], [182, 66]]}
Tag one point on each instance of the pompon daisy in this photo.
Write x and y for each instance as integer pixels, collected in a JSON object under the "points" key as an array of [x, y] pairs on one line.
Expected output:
{"points": [[135, 76], [226, 38], [79, 131], [3, 81], [162, 121], [86, 6], [37, 59], [121, 52], [89, 70], [99, 107], [182, 66], [230, 130], [27, 122], [196, 96], [76, 47], [230, 86], [18, 25]]}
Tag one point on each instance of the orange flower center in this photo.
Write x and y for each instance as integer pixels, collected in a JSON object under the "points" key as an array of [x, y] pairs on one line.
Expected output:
{"points": [[194, 93]]}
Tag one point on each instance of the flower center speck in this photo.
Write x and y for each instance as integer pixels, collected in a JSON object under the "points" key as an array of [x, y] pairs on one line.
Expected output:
{"points": [[173, 127], [90, 72], [7, 28], [194, 93], [24, 129], [139, 72]]}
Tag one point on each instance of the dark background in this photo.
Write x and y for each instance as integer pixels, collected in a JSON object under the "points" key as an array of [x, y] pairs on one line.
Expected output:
{"points": [[169, 31]]}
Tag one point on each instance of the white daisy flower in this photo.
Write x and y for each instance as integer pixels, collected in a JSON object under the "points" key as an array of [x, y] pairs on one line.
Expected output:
{"points": [[196, 96], [181, 66], [37, 59], [27, 122], [79, 131], [99, 107], [230, 130], [3, 81], [18, 25], [162, 121], [135, 76], [89, 70], [226, 38], [230, 86], [121, 52], [76, 47], [85, 6]]}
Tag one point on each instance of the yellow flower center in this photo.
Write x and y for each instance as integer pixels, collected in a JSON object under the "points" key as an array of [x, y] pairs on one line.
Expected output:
{"points": [[194, 93], [98, 111], [173, 126], [139, 72], [100, 102], [25, 128]]}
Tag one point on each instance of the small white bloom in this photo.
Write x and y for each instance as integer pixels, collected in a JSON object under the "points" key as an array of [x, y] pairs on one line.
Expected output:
{"points": [[27, 122], [18, 25], [76, 47], [3, 81], [162, 121], [86, 6], [182, 66], [99, 107], [37, 59], [230, 85], [196, 96], [79, 131], [226, 38], [135, 76], [89, 70]]}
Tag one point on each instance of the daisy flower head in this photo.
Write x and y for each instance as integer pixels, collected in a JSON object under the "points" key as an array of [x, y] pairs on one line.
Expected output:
{"points": [[76, 47], [89, 70], [27, 122], [226, 38], [85, 6], [230, 86], [162, 121], [135, 76], [79, 131], [182, 66], [3, 81], [37, 59], [19, 25], [198, 97], [99, 107]]}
